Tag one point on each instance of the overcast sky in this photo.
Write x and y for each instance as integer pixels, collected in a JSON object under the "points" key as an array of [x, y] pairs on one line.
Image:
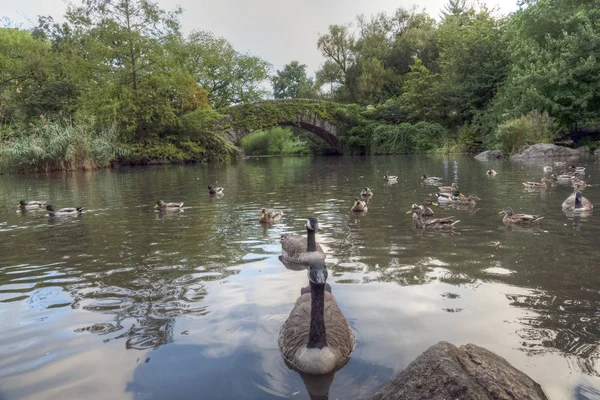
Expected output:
{"points": [[279, 31]]}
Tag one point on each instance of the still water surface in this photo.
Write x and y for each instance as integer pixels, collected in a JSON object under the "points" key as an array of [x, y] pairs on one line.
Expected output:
{"points": [[125, 303]]}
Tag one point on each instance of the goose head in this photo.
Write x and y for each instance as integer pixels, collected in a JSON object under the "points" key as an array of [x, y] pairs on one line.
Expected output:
{"points": [[317, 272], [312, 224]]}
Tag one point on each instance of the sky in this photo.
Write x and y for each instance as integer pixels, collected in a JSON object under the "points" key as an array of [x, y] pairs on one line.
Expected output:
{"points": [[278, 31]]}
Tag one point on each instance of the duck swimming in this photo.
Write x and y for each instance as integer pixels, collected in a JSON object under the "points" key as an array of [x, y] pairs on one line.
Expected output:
{"points": [[366, 192], [431, 180], [390, 177], [269, 216], [519, 219], [30, 205], [490, 172], [162, 206], [432, 224], [449, 189], [359, 206], [63, 211], [215, 190]]}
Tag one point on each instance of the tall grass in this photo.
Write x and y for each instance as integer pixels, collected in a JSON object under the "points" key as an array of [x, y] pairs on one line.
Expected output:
{"points": [[406, 138], [59, 144], [275, 141]]}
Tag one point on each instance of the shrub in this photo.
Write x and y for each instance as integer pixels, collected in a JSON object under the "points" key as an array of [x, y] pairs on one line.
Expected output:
{"points": [[57, 144], [515, 134], [406, 138]]}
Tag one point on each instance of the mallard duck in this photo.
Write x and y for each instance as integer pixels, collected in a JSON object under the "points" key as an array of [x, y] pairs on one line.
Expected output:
{"points": [[296, 248], [460, 198], [215, 190], [316, 338], [578, 170], [426, 207], [31, 205], [490, 172], [366, 192], [63, 211], [438, 223], [449, 189], [535, 185], [565, 177], [390, 177], [577, 203], [359, 206], [547, 168], [431, 180], [519, 219], [270, 216], [162, 206], [445, 197]]}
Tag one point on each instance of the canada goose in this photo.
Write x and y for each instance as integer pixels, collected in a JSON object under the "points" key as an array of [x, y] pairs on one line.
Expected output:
{"points": [[270, 216], [390, 177], [359, 206], [431, 180], [520, 219], [316, 338], [547, 168], [366, 192], [162, 206], [63, 211], [490, 172], [214, 190], [448, 189], [30, 205], [299, 250], [577, 203], [432, 224]]}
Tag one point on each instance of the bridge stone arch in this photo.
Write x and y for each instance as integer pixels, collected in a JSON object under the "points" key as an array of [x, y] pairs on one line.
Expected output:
{"points": [[314, 116]]}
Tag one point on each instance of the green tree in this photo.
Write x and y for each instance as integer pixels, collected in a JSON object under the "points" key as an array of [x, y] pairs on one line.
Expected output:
{"points": [[474, 62], [292, 82], [330, 74], [229, 77], [421, 96], [337, 46]]}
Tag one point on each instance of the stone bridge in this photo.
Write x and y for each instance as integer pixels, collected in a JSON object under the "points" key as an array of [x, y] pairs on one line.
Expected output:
{"points": [[314, 116]]}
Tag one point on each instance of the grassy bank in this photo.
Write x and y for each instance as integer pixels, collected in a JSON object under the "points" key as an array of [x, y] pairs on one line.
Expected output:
{"points": [[55, 144]]}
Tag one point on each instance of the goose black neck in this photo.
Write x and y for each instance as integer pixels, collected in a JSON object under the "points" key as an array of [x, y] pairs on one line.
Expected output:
{"points": [[578, 202], [311, 242], [317, 338]]}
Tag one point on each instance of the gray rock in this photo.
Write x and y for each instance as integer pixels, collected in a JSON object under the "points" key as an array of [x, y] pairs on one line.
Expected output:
{"points": [[597, 152], [547, 150], [445, 372], [489, 155]]}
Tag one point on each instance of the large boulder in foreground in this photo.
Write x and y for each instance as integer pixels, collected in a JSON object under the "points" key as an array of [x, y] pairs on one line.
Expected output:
{"points": [[489, 155], [470, 372], [548, 150]]}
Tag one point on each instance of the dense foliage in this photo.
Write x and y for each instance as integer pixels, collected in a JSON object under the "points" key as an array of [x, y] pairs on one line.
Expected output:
{"points": [[126, 63], [395, 83], [275, 141], [476, 74]]}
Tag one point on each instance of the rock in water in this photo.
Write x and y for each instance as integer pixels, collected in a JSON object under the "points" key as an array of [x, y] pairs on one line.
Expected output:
{"points": [[489, 155], [547, 150], [446, 372]]}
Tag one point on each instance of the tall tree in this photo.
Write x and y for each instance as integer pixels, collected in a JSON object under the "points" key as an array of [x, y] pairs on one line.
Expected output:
{"points": [[292, 82], [229, 76], [337, 45], [330, 74]]}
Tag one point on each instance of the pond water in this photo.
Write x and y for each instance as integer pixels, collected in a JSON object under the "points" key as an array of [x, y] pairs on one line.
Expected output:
{"points": [[125, 303]]}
